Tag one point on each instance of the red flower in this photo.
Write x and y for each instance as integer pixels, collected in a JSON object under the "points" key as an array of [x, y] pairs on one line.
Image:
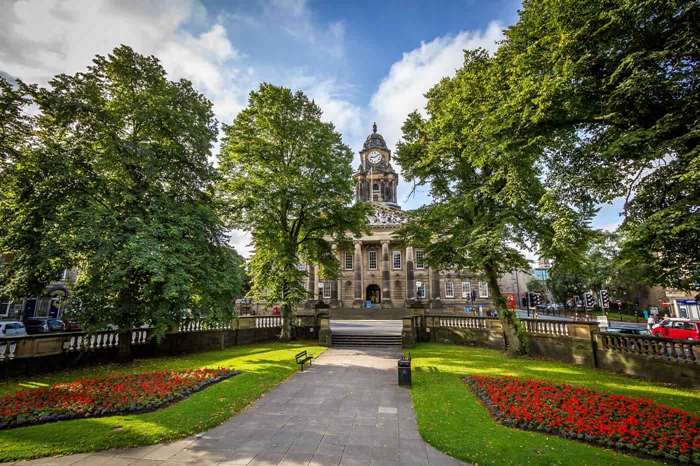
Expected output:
{"points": [[633, 424], [101, 396]]}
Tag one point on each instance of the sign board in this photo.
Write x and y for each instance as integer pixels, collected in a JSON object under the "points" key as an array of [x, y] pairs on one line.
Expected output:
{"points": [[320, 284], [419, 284], [602, 322]]}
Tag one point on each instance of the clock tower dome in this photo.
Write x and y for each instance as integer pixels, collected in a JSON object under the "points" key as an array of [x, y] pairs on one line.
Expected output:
{"points": [[376, 181]]}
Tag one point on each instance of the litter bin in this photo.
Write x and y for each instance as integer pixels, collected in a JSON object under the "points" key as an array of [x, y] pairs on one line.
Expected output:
{"points": [[404, 367]]}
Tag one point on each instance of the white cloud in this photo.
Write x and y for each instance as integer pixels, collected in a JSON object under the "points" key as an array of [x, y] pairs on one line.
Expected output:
{"points": [[41, 38], [403, 89]]}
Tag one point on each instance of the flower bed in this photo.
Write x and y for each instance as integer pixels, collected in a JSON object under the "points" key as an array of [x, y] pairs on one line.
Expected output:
{"points": [[117, 394], [628, 424]]}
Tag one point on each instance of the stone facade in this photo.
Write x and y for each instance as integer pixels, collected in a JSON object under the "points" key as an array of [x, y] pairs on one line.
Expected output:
{"points": [[379, 271]]}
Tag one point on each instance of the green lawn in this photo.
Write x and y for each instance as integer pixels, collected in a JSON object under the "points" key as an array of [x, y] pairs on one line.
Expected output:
{"points": [[453, 420], [263, 366]]}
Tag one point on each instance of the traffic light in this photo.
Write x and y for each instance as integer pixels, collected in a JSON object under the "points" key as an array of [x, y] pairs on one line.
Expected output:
{"points": [[589, 301], [605, 299], [538, 299]]}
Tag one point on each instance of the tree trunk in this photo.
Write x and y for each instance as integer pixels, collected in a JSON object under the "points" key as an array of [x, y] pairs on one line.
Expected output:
{"points": [[286, 334], [516, 340], [124, 348]]}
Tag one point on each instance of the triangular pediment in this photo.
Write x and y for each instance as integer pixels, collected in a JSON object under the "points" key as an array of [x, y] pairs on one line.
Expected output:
{"points": [[386, 216]]}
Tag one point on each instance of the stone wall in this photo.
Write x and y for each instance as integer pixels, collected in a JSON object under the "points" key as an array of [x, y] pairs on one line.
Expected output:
{"points": [[41, 353], [573, 342]]}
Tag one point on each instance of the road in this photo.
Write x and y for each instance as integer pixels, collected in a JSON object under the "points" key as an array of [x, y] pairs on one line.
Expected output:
{"points": [[613, 323]]}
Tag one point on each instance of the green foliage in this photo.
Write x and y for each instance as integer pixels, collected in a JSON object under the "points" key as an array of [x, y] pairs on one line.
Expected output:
{"points": [[536, 286], [287, 178], [30, 251], [452, 419], [262, 367], [607, 263], [610, 90], [116, 183], [489, 202]]}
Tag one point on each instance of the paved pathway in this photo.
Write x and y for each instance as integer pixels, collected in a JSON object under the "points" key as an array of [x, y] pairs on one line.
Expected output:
{"points": [[346, 410]]}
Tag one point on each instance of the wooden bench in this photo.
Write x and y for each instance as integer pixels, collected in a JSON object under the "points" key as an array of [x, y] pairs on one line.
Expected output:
{"points": [[302, 358]]}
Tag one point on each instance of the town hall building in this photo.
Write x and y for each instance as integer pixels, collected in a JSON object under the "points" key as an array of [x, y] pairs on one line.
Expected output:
{"points": [[380, 272]]}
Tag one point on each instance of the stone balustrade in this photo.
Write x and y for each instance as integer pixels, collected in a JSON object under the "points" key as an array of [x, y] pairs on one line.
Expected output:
{"points": [[8, 346], [462, 322], [683, 351], [547, 327], [268, 322]]}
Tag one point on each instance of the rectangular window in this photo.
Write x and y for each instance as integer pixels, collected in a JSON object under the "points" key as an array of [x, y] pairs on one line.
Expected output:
{"points": [[5, 307], [449, 289], [326, 289], [483, 290], [420, 259], [348, 260], [372, 260], [421, 291], [396, 259], [466, 289]]}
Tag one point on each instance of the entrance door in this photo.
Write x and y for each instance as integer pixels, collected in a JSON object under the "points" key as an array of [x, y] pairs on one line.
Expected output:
{"points": [[374, 294]]}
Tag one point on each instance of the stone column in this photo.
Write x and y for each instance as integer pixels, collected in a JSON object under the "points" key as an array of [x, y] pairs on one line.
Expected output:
{"points": [[317, 297], [435, 288], [410, 279], [357, 272], [311, 272], [386, 273]]}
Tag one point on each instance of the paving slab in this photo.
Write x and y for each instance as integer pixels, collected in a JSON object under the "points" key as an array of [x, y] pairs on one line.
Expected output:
{"points": [[346, 409]]}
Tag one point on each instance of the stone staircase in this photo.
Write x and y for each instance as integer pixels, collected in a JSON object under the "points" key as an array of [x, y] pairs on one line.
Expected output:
{"points": [[351, 341], [366, 333]]}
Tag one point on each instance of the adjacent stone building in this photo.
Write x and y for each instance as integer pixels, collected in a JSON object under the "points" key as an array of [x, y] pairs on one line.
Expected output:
{"points": [[380, 272]]}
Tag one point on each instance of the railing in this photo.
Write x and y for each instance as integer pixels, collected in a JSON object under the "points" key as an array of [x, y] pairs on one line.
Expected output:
{"points": [[202, 325], [268, 321], [461, 322], [7, 349], [547, 327], [655, 347]]}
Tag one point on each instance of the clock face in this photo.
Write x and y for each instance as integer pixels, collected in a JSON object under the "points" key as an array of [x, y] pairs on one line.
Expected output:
{"points": [[375, 157]]}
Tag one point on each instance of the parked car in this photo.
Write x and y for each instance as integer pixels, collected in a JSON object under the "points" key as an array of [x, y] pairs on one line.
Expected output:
{"points": [[72, 325], [12, 329], [43, 325], [681, 329], [629, 331]]}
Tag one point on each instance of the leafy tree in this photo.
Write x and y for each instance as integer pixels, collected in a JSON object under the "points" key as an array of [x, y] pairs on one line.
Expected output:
{"points": [[31, 255], [537, 286], [611, 90], [488, 201], [287, 178], [120, 169]]}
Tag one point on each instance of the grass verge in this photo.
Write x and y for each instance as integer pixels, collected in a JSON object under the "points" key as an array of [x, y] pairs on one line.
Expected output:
{"points": [[452, 419], [262, 367]]}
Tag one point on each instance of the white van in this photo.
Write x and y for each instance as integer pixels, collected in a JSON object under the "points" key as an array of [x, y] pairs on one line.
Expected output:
{"points": [[12, 329]]}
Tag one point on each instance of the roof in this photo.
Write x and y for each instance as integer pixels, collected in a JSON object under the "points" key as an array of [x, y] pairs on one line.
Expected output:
{"points": [[374, 140]]}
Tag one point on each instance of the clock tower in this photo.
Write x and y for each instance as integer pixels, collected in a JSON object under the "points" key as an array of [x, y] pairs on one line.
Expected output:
{"points": [[376, 180]]}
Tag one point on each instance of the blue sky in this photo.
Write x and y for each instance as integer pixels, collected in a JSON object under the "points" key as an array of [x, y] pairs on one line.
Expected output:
{"points": [[360, 61]]}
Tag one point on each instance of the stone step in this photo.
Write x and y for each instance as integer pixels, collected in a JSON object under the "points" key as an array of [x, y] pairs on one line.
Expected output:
{"points": [[365, 340]]}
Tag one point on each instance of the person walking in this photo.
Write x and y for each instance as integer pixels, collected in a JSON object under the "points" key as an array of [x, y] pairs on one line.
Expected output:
{"points": [[650, 322]]}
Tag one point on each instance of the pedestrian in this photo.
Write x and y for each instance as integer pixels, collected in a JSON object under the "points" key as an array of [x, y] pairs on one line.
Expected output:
{"points": [[650, 322]]}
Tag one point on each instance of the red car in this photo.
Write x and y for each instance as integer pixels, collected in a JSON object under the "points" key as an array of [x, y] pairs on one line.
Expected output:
{"points": [[680, 329]]}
